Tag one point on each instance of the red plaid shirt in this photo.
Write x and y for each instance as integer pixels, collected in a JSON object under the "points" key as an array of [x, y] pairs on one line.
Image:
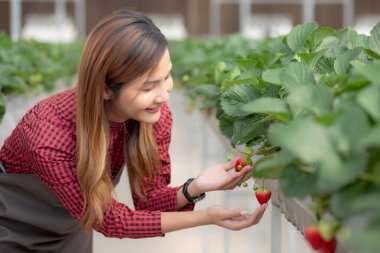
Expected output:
{"points": [[44, 143]]}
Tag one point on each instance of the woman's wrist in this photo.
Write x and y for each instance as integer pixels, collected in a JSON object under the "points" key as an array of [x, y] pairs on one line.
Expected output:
{"points": [[193, 189]]}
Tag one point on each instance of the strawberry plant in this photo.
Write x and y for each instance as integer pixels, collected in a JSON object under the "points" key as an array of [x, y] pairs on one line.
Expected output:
{"points": [[310, 103], [27, 66]]}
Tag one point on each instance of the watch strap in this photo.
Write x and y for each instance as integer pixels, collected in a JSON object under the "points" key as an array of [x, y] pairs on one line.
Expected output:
{"points": [[187, 195]]}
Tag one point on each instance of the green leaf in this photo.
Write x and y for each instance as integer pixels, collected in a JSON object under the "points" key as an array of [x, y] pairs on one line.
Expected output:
{"points": [[325, 65], [268, 105], [348, 130], [296, 75], [370, 71], [2, 106], [365, 239], [299, 34], [312, 58], [374, 40], [355, 199], [236, 96], [372, 137], [226, 125], [248, 129], [304, 139], [315, 99], [342, 62], [228, 80], [272, 165], [369, 99], [272, 76], [317, 36], [357, 40], [297, 183]]}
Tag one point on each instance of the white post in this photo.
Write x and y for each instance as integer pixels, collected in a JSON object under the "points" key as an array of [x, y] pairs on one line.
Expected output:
{"points": [[245, 15], [276, 230], [80, 17], [308, 10], [348, 13], [60, 17], [15, 11], [214, 17]]}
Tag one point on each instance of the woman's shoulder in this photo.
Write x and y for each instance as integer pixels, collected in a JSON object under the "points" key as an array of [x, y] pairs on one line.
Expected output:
{"points": [[60, 107]]}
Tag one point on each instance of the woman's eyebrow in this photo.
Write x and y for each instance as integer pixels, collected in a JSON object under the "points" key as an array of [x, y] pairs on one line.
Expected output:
{"points": [[156, 81]]}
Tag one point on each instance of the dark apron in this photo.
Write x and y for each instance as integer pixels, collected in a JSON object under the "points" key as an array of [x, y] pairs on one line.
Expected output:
{"points": [[33, 220]]}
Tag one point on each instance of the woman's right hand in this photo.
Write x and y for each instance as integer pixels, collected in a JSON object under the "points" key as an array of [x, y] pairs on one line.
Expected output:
{"points": [[234, 219]]}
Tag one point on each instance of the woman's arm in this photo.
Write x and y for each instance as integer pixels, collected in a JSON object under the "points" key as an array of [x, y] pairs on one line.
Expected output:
{"points": [[214, 215], [212, 179]]}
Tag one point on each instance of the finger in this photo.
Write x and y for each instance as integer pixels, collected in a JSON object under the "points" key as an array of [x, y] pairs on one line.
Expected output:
{"points": [[258, 214], [238, 178], [229, 165]]}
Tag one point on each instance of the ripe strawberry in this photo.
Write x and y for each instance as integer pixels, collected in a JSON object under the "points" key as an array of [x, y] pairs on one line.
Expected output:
{"points": [[263, 194], [239, 164], [313, 236], [329, 246]]}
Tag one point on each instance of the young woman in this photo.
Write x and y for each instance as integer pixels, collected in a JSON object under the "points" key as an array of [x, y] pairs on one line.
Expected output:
{"points": [[61, 162]]}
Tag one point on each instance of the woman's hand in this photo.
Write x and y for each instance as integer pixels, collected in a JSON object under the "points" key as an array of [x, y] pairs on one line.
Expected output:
{"points": [[217, 178], [234, 219]]}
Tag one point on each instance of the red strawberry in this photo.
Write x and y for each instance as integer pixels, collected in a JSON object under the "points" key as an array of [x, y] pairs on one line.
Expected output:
{"points": [[313, 236], [239, 164], [263, 194], [329, 246]]}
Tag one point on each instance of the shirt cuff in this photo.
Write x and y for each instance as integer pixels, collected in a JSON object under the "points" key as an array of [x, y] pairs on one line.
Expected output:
{"points": [[189, 207]]}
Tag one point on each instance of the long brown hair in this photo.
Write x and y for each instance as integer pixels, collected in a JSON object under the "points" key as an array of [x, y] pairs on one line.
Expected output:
{"points": [[120, 48]]}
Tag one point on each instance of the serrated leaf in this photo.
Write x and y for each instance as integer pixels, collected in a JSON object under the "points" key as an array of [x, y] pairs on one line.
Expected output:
{"points": [[249, 128], [357, 40], [312, 58], [296, 75], [342, 62], [236, 96], [317, 36], [374, 40], [272, 76], [299, 35], [268, 105], [325, 65]]}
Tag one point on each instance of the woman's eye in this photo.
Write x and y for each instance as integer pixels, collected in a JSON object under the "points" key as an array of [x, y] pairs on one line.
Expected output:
{"points": [[168, 76]]}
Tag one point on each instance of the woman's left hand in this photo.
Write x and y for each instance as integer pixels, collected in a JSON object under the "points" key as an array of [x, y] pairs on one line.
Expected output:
{"points": [[217, 178]]}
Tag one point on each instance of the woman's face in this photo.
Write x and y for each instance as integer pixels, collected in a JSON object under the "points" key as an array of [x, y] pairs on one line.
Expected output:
{"points": [[142, 98]]}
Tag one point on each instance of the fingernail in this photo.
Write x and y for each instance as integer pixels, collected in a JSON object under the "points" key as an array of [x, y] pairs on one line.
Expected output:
{"points": [[243, 213]]}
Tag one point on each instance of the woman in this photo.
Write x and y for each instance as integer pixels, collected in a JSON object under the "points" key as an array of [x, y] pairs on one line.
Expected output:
{"points": [[61, 162]]}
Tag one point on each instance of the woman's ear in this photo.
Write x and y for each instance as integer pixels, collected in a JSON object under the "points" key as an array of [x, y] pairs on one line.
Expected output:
{"points": [[108, 94]]}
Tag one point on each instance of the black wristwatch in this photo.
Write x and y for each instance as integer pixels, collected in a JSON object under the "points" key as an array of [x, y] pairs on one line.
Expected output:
{"points": [[187, 195]]}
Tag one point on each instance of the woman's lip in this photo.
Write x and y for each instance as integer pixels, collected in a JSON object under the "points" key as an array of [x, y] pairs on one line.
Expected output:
{"points": [[153, 110]]}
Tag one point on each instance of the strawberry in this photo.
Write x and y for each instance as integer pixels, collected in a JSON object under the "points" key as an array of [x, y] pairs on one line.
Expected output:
{"points": [[329, 246], [239, 164], [263, 194], [313, 236]]}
